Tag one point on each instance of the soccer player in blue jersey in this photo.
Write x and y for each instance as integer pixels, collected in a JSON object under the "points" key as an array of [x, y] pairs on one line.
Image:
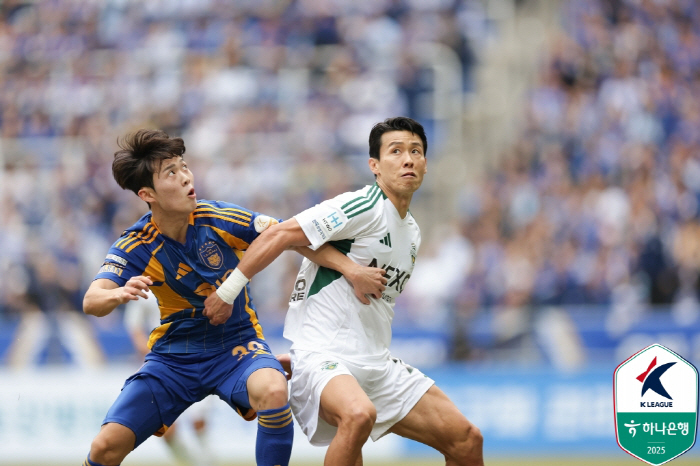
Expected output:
{"points": [[182, 250]]}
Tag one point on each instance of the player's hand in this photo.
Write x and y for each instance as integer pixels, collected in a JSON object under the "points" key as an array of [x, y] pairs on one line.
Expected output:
{"points": [[135, 288], [367, 282], [286, 360], [216, 309]]}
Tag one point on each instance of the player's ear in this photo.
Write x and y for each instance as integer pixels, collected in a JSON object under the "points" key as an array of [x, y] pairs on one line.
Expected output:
{"points": [[374, 165], [147, 195]]}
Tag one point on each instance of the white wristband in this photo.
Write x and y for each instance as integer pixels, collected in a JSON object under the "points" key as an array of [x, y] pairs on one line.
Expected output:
{"points": [[233, 285]]}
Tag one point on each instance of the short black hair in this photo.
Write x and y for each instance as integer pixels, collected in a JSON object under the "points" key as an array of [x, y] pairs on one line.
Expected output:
{"points": [[141, 155], [394, 124]]}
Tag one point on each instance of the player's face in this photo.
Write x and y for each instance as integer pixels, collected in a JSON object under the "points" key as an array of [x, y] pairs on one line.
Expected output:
{"points": [[402, 164], [174, 187]]}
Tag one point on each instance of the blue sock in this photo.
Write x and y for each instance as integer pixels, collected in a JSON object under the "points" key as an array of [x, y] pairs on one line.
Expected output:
{"points": [[275, 436], [89, 462]]}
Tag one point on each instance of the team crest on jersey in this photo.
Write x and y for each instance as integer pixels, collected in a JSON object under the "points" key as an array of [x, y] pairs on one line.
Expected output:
{"points": [[211, 255], [328, 365], [414, 253]]}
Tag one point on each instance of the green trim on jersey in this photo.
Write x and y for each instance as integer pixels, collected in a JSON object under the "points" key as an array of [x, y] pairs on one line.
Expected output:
{"points": [[326, 276], [360, 201], [367, 202]]}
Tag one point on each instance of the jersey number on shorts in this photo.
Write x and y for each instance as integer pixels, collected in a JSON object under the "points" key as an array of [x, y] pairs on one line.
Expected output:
{"points": [[254, 348]]}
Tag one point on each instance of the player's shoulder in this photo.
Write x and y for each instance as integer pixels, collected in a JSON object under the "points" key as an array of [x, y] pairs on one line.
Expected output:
{"points": [[362, 201], [142, 235], [212, 212]]}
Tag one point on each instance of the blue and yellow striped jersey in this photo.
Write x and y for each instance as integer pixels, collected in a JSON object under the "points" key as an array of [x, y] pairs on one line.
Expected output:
{"points": [[185, 274]]}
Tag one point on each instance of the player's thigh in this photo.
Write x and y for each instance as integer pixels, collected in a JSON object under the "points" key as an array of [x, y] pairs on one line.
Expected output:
{"points": [[135, 410], [233, 370], [342, 398], [434, 421]]}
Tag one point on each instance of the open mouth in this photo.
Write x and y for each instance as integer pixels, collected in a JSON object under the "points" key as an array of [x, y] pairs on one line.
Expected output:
{"points": [[191, 193]]}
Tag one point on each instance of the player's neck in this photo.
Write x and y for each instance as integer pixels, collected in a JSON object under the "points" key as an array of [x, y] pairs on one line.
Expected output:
{"points": [[400, 200], [172, 226]]}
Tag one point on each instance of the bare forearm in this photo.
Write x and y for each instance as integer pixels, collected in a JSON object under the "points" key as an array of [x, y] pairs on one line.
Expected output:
{"points": [[266, 248], [329, 257], [99, 302], [104, 295], [269, 245], [260, 254]]}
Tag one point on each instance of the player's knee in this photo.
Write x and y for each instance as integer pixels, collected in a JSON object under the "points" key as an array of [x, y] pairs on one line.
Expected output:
{"points": [[106, 450], [273, 396], [360, 418]]}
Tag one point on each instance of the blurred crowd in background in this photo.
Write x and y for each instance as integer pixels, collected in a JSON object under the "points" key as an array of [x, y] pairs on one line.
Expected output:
{"points": [[268, 96], [596, 203]]}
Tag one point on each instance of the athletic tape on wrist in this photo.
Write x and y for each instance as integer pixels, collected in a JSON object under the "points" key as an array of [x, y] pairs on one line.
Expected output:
{"points": [[232, 286]]}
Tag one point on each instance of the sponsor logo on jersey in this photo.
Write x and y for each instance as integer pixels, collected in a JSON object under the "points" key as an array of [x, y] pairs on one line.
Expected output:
{"points": [[329, 365], [118, 259], [332, 221], [319, 230], [111, 268], [396, 278], [386, 241], [211, 255], [299, 292]]}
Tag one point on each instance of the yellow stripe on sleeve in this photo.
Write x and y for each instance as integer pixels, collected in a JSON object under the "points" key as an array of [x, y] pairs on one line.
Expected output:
{"points": [[144, 241], [122, 241], [146, 232], [242, 214], [223, 218]]}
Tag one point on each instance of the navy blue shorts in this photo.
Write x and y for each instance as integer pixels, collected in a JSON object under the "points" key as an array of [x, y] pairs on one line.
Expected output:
{"points": [[167, 384]]}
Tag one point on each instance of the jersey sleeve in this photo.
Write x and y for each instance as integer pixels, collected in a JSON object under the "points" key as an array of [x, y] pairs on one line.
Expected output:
{"points": [[243, 224], [343, 217], [119, 266]]}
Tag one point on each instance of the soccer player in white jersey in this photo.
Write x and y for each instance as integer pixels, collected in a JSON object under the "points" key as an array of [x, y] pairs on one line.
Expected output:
{"points": [[346, 386]]}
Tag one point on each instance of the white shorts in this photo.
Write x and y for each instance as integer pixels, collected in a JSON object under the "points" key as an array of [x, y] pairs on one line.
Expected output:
{"points": [[393, 387]]}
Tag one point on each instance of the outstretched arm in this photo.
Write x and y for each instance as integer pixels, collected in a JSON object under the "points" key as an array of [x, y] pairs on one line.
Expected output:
{"points": [[266, 248], [270, 244], [366, 281]]}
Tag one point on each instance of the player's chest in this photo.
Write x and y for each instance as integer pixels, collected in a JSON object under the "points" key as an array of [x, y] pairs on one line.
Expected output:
{"points": [[393, 250], [206, 259]]}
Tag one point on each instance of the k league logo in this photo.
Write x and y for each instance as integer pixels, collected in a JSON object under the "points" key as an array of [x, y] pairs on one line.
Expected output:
{"points": [[656, 405], [653, 381]]}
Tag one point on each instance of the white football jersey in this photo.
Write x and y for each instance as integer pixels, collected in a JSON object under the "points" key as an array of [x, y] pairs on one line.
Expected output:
{"points": [[324, 313]]}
